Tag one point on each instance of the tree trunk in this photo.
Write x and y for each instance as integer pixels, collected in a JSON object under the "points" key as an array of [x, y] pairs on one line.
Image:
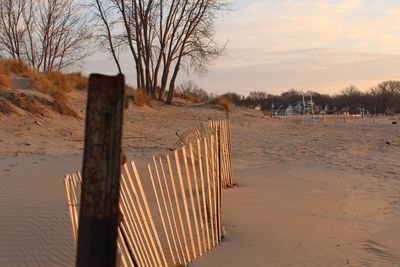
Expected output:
{"points": [[172, 83]]}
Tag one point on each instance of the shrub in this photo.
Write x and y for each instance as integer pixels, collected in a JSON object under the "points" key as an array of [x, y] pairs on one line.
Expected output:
{"points": [[140, 98], [222, 101], [233, 97], [191, 92]]}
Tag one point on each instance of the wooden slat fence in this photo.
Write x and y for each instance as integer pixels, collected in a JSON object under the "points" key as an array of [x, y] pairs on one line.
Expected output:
{"points": [[223, 133], [174, 215]]}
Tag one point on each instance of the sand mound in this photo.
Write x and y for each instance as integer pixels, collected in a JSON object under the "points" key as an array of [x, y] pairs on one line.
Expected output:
{"points": [[25, 91]]}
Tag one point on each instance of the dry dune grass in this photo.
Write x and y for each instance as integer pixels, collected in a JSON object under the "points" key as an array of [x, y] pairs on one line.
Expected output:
{"points": [[5, 107], [139, 97], [34, 105], [55, 84], [58, 106], [27, 103], [188, 97], [15, 66], [5, 80], [78, 81]]}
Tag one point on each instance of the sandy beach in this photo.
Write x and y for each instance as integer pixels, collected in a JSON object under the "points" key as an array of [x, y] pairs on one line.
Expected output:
{"points": [[307, 195]]}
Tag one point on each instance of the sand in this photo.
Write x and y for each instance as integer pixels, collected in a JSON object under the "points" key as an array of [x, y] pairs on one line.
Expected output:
{"points": [[308, 195]]}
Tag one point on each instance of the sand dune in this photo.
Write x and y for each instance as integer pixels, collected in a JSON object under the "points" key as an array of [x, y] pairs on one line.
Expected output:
{"points": [[308, 195]]}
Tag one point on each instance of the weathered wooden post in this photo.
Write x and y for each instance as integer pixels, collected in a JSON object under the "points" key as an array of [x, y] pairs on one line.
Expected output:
{"points": [[99, 211]]}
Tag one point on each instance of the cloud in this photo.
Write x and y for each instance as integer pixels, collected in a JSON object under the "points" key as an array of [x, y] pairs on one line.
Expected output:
{"points": [[346, 24], [321, 45], [325, 44], [323, 70]]}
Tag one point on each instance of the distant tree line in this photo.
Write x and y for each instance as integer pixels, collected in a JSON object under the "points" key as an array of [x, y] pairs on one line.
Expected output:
{"points": [[381, 99]]}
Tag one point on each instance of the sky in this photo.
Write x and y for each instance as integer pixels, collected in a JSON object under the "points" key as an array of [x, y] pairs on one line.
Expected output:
{"points": [[277, 45]]}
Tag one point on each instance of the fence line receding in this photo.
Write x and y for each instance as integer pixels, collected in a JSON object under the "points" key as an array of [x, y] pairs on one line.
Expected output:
{"points": [[172, 216]]}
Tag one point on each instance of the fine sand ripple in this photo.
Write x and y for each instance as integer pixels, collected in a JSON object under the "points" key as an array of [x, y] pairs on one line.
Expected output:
{"points": [[308, 195], [34, 224]]}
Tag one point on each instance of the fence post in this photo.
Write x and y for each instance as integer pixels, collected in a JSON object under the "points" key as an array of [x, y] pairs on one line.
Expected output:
{"points": [[99, 211]]}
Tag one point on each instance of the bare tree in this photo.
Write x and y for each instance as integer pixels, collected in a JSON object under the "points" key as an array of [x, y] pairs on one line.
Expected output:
{"points": [[105, 13], [352, 98], [163, 36], [12, 27], [47, 34], [387, 97], [193, 38]]}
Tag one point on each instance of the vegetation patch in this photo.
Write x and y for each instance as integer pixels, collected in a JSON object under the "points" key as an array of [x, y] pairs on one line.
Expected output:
{"points": [[5, 81], [222, 101], [191, 92], [58, 107], [6, 108], [15, 66], [26, 102], [139, 97], [77, 80]]}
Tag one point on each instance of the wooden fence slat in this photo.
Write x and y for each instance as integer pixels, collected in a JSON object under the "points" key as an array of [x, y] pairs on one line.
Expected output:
{"points": [[214, 191], [180, 261], [185, 205], [190, 188], [207, 239], [144, 243], [126, 258], [161, 214], [128, 222], [224, 155], [148, 235], [182, 253], [209, 169], [196, 187], [74, 205], [230, 153], [218, 184], [125, 237], [70, 208], [146, 205], [178, 209], [148, 257]]}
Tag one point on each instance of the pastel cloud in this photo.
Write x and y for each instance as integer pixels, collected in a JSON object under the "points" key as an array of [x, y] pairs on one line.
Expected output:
{"points": [[313, 44]]}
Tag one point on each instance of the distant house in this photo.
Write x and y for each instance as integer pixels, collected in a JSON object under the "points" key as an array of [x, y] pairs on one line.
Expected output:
{"points": [[258, 108], [289, 110]]}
